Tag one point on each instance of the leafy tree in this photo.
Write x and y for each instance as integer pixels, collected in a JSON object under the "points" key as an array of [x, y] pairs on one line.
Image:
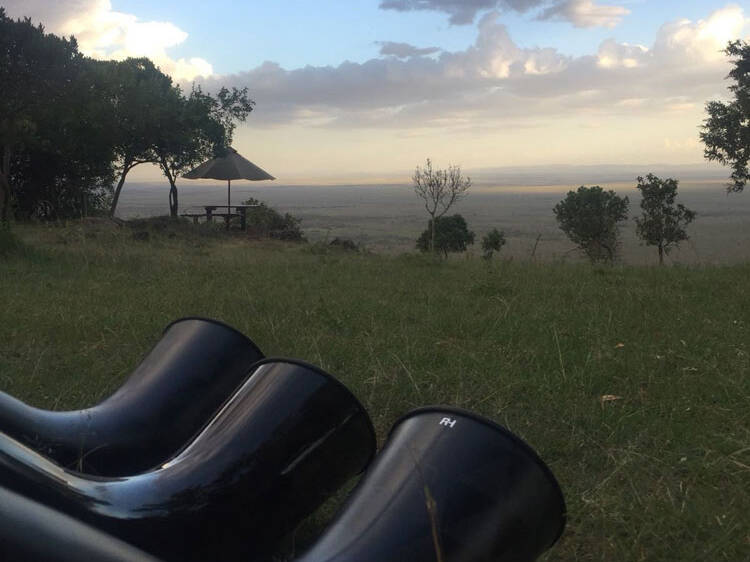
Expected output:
{"points": [[446, 234], [589, 217], [136, 91], [439, 189], [726, 131], [35, 70], [54, 130], [229, 107], [492, 242], [201, 127], [663, 223]]}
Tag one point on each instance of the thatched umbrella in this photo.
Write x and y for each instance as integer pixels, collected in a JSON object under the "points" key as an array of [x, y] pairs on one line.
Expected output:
{"points": [[231, 166]]}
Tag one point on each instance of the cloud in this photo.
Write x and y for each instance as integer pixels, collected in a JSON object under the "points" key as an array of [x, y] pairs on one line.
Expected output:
{"points": [[404, 50], [496, 83], [615, 55], [104, 33], [585, 13], [581, 13], [461, 11]]}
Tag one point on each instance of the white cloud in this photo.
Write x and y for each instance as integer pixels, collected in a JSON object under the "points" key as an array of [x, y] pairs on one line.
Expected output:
{"points": [[104, 33], [704, 39], [496, 83], [613, 55]]}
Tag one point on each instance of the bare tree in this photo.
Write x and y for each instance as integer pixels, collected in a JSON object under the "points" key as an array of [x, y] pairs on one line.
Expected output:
{"points": [[439, 189]]}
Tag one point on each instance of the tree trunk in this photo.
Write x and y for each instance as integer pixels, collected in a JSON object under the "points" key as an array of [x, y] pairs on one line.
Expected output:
{"points": [[432, 234], [661, 255], [172, 188], [172, 199], [5, 188], [125, 169]]}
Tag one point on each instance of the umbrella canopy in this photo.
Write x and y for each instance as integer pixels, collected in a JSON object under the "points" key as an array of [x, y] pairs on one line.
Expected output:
{"points": [[231, 166]]}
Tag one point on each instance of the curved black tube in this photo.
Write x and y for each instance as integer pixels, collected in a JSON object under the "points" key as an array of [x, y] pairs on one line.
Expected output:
{"points": [[288, 438], [31, 532], [177, 387], [451, 481]]}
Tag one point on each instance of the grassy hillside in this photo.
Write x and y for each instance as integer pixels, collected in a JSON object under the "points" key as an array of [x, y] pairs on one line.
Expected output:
{"points": [[660, 473]]}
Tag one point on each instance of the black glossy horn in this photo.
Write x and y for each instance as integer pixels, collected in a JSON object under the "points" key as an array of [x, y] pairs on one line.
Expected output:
{"points": [[450, 482], [170, 396], [288, 438], [31, 532]]}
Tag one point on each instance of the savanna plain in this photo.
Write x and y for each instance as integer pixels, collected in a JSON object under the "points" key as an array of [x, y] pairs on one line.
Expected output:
{"points": [[632, 381]]}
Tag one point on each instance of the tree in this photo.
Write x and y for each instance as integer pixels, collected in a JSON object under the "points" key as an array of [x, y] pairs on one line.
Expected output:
{"points": [[589, 217], [200, 127], [492, 242], [137, 91], [439, 189], [663, 223], [54, 128], [35, 70], [446, 234], [726, 131]]}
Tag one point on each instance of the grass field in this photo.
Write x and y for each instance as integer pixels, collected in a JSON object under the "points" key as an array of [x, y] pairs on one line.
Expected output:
{"points": [[662, 472]]}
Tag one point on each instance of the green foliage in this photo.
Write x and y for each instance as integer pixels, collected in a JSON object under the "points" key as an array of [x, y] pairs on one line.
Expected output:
{"points": [[229, 107], [492, 242], [451, 234], [589, 217], [137, 93], [726, 131], [265, 222], [54, 148], [662, 223]]}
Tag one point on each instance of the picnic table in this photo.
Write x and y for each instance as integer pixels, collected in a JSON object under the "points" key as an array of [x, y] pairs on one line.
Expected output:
{"points": [[224, 211]]}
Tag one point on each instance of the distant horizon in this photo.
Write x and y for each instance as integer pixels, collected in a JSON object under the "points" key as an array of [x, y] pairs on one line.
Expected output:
{"points": [[529, 175]]}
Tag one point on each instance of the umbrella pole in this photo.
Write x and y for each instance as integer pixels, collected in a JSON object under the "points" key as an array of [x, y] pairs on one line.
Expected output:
{"points": [[229, 201]]}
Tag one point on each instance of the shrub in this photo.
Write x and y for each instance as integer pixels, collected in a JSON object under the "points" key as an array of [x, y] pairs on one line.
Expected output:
{"points": [[492, 242], [589, 217], [266, 222], [451, 235], [345, 244]]}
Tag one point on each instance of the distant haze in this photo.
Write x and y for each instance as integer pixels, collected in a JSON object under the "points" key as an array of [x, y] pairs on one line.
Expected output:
{"points": [[519, 176], [389, 218]]}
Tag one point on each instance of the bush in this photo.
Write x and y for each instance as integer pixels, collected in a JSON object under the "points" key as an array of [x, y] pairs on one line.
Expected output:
{"points": [[345, 244], [265, 222], [589, 217], [451, 235], [492, 242]]}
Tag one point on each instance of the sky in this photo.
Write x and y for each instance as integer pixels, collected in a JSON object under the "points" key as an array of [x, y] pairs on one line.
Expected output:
{"points": [[371, 88]]}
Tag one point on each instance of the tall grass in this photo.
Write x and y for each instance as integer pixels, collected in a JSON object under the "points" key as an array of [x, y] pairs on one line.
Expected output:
{"points": [[632, 383]]}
